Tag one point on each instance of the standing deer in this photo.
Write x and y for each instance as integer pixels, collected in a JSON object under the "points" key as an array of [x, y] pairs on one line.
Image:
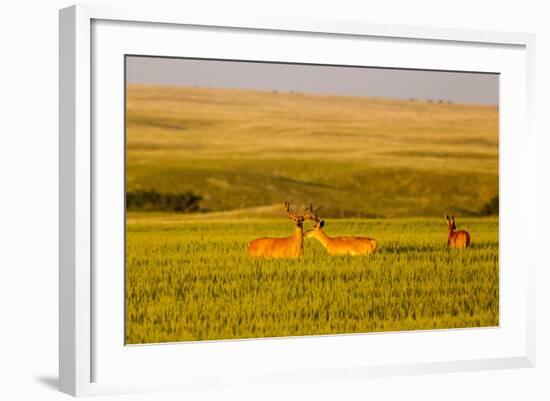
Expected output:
{"points": [[456, 239], [340, 245], [289, 247]]}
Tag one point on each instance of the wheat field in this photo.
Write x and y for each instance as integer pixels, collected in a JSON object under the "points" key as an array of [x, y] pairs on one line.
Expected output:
{"points": [[192, 280]]}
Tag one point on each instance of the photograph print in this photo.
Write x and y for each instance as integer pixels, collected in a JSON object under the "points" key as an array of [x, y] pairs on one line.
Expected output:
{"points": [[274, 199]]}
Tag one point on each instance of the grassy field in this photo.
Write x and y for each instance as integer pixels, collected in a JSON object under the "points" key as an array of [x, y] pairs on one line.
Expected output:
{"points": [[385, 168], [192, 280]]}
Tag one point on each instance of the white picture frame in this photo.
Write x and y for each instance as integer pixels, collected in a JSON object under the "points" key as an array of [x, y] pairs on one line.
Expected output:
{"points": [[81, 211]]}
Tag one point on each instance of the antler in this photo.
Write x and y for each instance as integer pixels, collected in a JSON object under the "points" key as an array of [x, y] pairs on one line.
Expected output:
{"points": [[289, 212], [309, 214]]}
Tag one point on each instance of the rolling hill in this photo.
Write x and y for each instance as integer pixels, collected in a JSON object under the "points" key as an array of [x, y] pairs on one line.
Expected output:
{"points": [[349, 156]]}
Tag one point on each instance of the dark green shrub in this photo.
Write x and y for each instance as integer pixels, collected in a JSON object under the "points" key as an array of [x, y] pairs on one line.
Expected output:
{"points": [[491, 207], [165, 202]]}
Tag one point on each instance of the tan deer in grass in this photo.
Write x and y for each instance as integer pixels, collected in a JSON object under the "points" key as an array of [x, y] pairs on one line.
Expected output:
{"points": [[289, 247], [456, 239], [339, 245]]}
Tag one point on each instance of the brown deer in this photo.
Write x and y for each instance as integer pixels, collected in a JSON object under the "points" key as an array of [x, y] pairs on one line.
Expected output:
{"points": [[289, 247], [339, 245], [456, 239]]}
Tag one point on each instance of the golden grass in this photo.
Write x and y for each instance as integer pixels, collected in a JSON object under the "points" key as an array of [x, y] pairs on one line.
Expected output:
{"points": [[173, 122], [246, 149]]}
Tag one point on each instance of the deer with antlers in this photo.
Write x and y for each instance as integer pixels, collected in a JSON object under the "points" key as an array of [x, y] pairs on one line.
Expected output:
{"points": [[456, 239], [339, 245], [289, 247]]}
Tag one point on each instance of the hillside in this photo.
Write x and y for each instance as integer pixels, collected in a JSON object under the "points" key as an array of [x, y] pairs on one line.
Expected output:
{"points": [[350, 156]]}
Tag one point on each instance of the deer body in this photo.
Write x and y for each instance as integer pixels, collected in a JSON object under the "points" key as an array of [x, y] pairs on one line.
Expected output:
{"points": [[344, 245], [456, 239], [289, 247], [340, 245]]}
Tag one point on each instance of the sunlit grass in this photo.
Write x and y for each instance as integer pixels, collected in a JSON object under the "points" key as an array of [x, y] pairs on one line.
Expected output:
{"points": [[192, 280]]}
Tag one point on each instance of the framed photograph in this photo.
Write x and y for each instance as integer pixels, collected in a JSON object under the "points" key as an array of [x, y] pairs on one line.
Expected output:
{"points": [[279, 200]]}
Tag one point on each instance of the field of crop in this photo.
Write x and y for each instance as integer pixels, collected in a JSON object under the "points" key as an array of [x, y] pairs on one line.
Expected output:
{"points": [[208, 170], [192, 280]]}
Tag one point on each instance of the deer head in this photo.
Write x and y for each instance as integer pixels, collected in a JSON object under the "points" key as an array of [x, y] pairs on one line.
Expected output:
{"points": [[297, 218], [451, 222], [310, 214]]}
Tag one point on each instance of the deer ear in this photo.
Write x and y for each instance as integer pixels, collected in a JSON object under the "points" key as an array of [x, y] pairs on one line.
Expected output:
{"points": [[447, 217], [322, 223]]}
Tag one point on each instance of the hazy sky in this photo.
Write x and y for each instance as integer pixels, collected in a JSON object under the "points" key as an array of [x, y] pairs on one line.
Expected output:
{"points": [[356, 81]]}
